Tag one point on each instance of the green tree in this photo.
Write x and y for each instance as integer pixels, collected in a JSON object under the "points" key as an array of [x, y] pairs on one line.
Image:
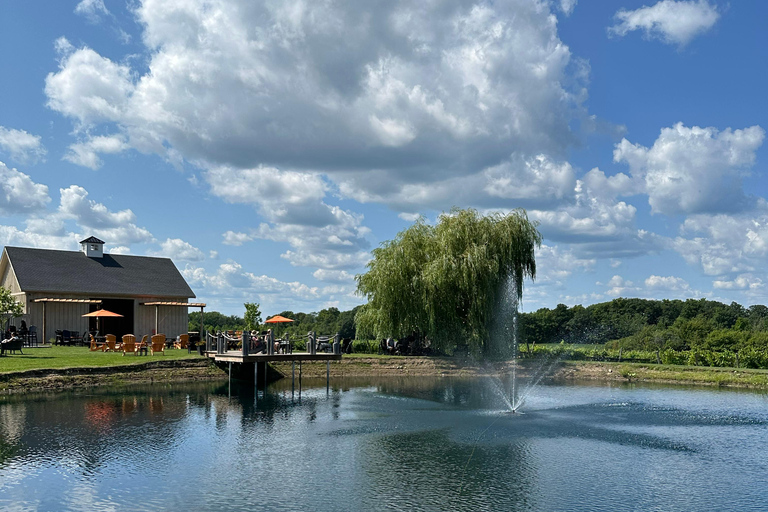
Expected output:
{"points": [[446, 281], [252, 316], [9, 305]]}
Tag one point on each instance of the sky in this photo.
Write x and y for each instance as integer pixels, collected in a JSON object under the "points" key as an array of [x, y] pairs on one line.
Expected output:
{"points": [[267, 147]]}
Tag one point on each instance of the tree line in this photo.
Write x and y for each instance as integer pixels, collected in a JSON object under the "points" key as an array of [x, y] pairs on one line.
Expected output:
{"points": [[326, 321], [641, 324]]}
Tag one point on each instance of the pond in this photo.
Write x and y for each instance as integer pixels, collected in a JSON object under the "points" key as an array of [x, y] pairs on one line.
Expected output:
{"points": [[385, 444]]}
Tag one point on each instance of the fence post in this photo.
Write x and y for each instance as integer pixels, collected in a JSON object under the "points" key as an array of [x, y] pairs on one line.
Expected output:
{"points": [[337, 344], [313, 340], [219, 343], [245, 343], [270, 342]]}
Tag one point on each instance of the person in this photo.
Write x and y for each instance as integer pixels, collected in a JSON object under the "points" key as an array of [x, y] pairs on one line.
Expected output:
{"points": [[258, 342]]}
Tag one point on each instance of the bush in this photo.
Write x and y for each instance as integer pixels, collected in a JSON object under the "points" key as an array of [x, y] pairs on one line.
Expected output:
{"points": [[365, 347]]}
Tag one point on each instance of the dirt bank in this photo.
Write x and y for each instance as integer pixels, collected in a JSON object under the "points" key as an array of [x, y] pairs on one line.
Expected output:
{"points": [[565, 371], [69, 378], [361, 366]]}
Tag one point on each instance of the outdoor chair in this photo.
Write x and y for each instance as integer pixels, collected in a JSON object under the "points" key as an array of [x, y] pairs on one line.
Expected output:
{"points": [[32, 336], [129, 344], [158, 344], [285, 346], [110, 343], [76, 338], [12, 345], [142, 347], [66, 337], [59, 337], [182, 341], [96, 346]]}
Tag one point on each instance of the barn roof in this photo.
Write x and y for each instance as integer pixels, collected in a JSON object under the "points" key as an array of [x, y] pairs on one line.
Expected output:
{"points": [[44, 270]]}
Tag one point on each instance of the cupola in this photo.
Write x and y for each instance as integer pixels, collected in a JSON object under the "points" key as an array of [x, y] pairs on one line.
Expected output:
{"points": [[92, 247]]}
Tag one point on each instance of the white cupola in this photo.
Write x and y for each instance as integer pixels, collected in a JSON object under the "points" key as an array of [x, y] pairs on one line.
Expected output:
{"points": [[92, 247]]}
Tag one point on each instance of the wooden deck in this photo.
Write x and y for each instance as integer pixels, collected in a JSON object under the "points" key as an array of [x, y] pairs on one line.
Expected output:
{"points": [[236, 356]]}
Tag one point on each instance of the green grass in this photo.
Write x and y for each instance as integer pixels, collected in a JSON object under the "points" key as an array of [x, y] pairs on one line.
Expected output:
{"points": [[78, 357]]}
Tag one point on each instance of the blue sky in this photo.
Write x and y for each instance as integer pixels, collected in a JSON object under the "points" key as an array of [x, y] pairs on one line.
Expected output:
{"points": [[267, 147]]}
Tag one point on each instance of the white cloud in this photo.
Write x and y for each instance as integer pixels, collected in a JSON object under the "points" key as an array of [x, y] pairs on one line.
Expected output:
{"points": [[320, 234], [534, 182], [747, 282], [88, 87], [230, 284], [671, 21], [231, 275], [619, 287], [21, 146], [95, 218], [387, 97], [726, 244], [92, 10], [178, 249], [555, 264], [567, 6], [409, 217], [236, 239], [334, 276], [11, 235], [694, 170], [666, 283], [87, 153], [19, 194]]}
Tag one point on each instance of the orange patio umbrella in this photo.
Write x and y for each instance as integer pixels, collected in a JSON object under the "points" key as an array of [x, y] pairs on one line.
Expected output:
{"points": [[277, 319], [102, 313]]}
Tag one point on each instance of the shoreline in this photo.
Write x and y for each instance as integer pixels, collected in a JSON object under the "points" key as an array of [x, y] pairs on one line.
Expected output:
{"points": [[389, 366]]}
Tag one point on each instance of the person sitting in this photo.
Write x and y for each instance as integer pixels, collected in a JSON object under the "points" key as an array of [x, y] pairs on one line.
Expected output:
{"points": [[257, 342]]}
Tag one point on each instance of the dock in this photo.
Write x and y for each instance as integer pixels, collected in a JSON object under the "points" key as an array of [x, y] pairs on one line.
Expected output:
{"points": [[242, 362], [236, 356]]}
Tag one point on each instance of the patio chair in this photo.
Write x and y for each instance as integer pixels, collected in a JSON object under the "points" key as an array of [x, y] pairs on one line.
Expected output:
{"points": [[129, 344], [11, 345], [59, 337], [142, 347], [158, 344], [96, 346], [110, 343], [32, 336], [66, 337], [182, 341], [76, 338]]}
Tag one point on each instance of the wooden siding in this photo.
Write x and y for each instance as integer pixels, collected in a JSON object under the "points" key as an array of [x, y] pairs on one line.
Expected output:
{"points": [[171, 320], [59, 315], [8, 280]]}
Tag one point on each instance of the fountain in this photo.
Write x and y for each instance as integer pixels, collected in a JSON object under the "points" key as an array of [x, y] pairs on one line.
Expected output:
{"points": [[504, 340]]}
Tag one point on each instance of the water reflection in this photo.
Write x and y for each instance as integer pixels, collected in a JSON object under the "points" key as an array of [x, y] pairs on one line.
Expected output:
{"points": [[378, 444]]}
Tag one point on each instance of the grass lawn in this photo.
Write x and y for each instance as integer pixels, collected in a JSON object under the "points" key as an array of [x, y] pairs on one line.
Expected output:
{"points": [[78, 357]]}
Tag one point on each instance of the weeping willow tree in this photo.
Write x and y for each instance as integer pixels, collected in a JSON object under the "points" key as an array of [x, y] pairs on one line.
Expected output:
{"points": [[445, 281]]}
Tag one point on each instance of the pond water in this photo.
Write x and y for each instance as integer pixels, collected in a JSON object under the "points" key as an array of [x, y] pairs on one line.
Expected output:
{"points": [[385, 444]]}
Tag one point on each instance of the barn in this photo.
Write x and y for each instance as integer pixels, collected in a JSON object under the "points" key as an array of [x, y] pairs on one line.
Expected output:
{"points": [[56, 288]]}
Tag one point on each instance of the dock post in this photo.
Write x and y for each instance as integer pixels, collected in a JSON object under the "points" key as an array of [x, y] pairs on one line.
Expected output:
{"points": [[265, 378], [327, 376], [299, 377], [230, 375], [293, 376], [256, 376], [245, 344]]}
